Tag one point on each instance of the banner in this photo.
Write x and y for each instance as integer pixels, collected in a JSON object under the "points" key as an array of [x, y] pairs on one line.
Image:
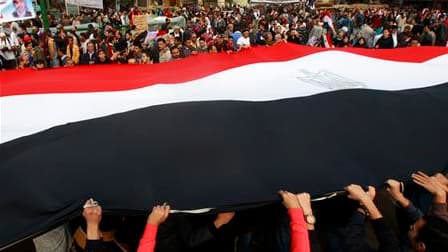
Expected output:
{"points": [[141, 23], [95, 4], [275, 1], [14, 10], [72, 9]]}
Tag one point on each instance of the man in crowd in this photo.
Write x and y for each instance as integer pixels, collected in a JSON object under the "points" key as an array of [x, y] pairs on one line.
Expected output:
{"points": [[164, 51], [90, 57]]}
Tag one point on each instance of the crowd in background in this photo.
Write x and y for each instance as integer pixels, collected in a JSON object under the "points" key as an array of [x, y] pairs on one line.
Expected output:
{"points": [[115, 39]]}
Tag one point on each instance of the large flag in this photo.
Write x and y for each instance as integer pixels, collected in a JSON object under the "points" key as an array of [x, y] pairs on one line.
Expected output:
{"points": [[215, 130]]}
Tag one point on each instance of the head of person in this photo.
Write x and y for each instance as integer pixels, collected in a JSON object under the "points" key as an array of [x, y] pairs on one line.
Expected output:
{"points": [[117, 34], [175, 53], [28, 46], [39, 64], [69, 63], [70, 40], [202, 43], [145, 59], [219, 40], [177, 41], [269, 36], [213, 49], [278, 37], [246, 33], [90, 47], [294, 33], [20, 5], [414, 43], [362, 41], [161, 44], [194, 37], [386, 33], [407, 29], [429, 234], [83, 37], [137, 50], [128, 35], [132, 61], [102, 56]]}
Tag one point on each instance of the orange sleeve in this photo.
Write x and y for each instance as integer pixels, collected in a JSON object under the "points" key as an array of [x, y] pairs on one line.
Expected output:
{"points": [[299, 233]]}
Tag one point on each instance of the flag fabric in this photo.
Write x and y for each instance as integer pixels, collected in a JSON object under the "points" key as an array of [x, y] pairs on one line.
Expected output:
{"points": [[214, 131]]}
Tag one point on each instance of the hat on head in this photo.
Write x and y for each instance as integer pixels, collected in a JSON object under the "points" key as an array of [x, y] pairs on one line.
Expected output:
{"points": [[27, 38]]}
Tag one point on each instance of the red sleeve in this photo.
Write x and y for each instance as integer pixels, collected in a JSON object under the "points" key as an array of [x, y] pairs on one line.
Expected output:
{"points": [[299, 233], [148, 240]]}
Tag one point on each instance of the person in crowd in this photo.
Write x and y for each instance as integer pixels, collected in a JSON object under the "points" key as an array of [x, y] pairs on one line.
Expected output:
{"points": [[164, 51], [7, 52], [428, 37], [72, 50], [175, 54], [52, 50], [301, 219], [385, 41], [158, 215], [63, 58], [428, 232], [202, 47], [361, 43], [102, 58], [91, 56], [244, 41], [355, 235]]}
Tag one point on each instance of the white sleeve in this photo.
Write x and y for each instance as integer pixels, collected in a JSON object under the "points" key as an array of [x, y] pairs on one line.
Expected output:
{"points": [[394, 38]]}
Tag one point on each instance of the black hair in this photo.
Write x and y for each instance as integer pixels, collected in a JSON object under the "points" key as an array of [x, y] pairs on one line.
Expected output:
{"points": [[161, 39], [434, 234]]}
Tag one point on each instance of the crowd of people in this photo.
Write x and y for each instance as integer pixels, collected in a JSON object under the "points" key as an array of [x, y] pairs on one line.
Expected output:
{"points": [[115, 39], [419, 209]]}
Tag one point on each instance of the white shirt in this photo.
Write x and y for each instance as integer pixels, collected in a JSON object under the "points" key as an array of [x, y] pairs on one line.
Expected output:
{"points": [[243, 41]]}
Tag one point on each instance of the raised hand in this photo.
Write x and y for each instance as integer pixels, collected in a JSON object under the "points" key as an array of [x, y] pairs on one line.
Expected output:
{"points": [[223, 218], [289, 200], [431, 184], [158, 215], [356, 192], [395, 189], [92, 212], [304, 200]]}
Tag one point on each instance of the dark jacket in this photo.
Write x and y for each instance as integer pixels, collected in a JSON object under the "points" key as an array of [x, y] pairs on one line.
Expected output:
{"points": [[87, 59]]}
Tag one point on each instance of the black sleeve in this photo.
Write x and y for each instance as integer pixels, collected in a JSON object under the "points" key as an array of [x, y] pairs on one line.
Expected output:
{"points": [[314, 241], [95, 246], [387, 239], [193, 237], [355, 234], [178, 234], [83, 60]]}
